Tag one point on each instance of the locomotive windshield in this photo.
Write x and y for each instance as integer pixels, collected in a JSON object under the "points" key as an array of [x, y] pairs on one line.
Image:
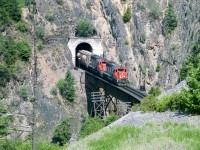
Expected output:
{"points": [[120, 70], [103, 62]]}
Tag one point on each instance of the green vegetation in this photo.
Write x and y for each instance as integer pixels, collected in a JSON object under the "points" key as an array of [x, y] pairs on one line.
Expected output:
{"points": [[40, 33], [126, 42], [85, 28], [10, 53], [9, 11], [62, 132], [40, 47], [142, 39], [155, 91], [174, 46], [50, 15], [154, 11], [22, 27], [4, 122], [59, 2], [67, 87], [123, 1], [127, 15], [54, 91], [158, 68], [170, 21], [27, 145], [148, 137], [92, 125], [23, 92]]}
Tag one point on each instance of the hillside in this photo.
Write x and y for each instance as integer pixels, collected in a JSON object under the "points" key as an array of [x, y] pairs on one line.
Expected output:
{"points": [[153, 39]]}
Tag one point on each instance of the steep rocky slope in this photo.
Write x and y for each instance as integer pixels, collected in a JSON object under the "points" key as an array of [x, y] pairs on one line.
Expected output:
{"points": [[147, 47]]}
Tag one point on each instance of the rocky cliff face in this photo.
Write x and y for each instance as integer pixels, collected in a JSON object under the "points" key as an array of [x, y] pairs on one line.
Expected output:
{"points": [[139, 44]]}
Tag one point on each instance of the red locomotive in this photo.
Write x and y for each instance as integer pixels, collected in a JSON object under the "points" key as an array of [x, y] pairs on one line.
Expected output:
{"points": [[108, 70]]}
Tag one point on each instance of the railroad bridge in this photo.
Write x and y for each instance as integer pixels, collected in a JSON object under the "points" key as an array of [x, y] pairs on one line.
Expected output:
{"points": [[99, 101], [93, 44]]}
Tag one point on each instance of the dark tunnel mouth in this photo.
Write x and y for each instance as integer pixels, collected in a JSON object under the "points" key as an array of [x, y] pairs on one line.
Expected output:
{"points": [[82, 46]]}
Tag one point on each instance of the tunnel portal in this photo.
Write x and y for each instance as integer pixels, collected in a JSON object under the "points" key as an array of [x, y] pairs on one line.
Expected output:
{"points": [[82, 46]]}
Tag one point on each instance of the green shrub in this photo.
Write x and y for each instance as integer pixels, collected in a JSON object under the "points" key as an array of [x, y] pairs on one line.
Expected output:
{"points": [[171, 102], [40, 47], [23, 92], [147, 104], [174, 46], [59, 2], [4, 122], [9, 11], [170, 21], [154, 11], [62, 132], [142, 39], [24, 50], [84, 28], [22, 27], [4, 75], [40, 33], [155, 91], [54, 91], [123, 1], [90, 126], [50, 15], [67, 87], [126, 42], [127, 15], [158, 68], [111, 118]]}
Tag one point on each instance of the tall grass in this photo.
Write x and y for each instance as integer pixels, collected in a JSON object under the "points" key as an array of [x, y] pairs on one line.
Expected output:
{"points": [[169, 135]]}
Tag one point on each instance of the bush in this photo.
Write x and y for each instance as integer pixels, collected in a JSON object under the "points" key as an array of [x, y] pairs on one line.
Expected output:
{"points": [[54, 91], [59, 2], [4, 122], [23, 92], [158, 68], [50, 15], [9, 11], [67, 87], [90, 126], [24, 51], [40, 33], [62, 132], [22, 27], [40, 47], [170, 21], [147, 104], [155, 91], [142, 39], [154, 11], [111, 118], [4, 75], [84, 28], [127, 15], [126, 42]]}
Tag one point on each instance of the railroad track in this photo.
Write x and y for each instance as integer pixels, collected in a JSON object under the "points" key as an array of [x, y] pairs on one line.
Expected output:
{"points": [[136, 92]]}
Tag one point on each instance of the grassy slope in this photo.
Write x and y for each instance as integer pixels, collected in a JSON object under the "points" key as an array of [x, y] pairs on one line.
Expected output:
{"points": [[151, 136]]}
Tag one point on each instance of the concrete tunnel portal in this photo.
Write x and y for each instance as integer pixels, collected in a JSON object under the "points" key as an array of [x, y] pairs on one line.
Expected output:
{"points": [[82, 46], [92, 44]]}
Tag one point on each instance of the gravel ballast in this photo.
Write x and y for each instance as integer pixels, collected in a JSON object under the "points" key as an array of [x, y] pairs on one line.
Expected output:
{"points": [[139, 119]]}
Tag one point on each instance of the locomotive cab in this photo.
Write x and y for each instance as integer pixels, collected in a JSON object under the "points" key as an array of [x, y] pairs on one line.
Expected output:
{"points": [[121, 76]]}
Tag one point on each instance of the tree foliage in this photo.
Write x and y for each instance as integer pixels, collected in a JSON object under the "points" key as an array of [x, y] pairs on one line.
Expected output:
{"points": [[67, 87], [155, 91], [9, 11], [62, 132], [170, 21], [4, 121], [127, 15], [85, 28]]}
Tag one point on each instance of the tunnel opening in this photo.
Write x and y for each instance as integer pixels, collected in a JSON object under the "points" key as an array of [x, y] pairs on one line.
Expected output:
{"points": [[82, 46]]}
